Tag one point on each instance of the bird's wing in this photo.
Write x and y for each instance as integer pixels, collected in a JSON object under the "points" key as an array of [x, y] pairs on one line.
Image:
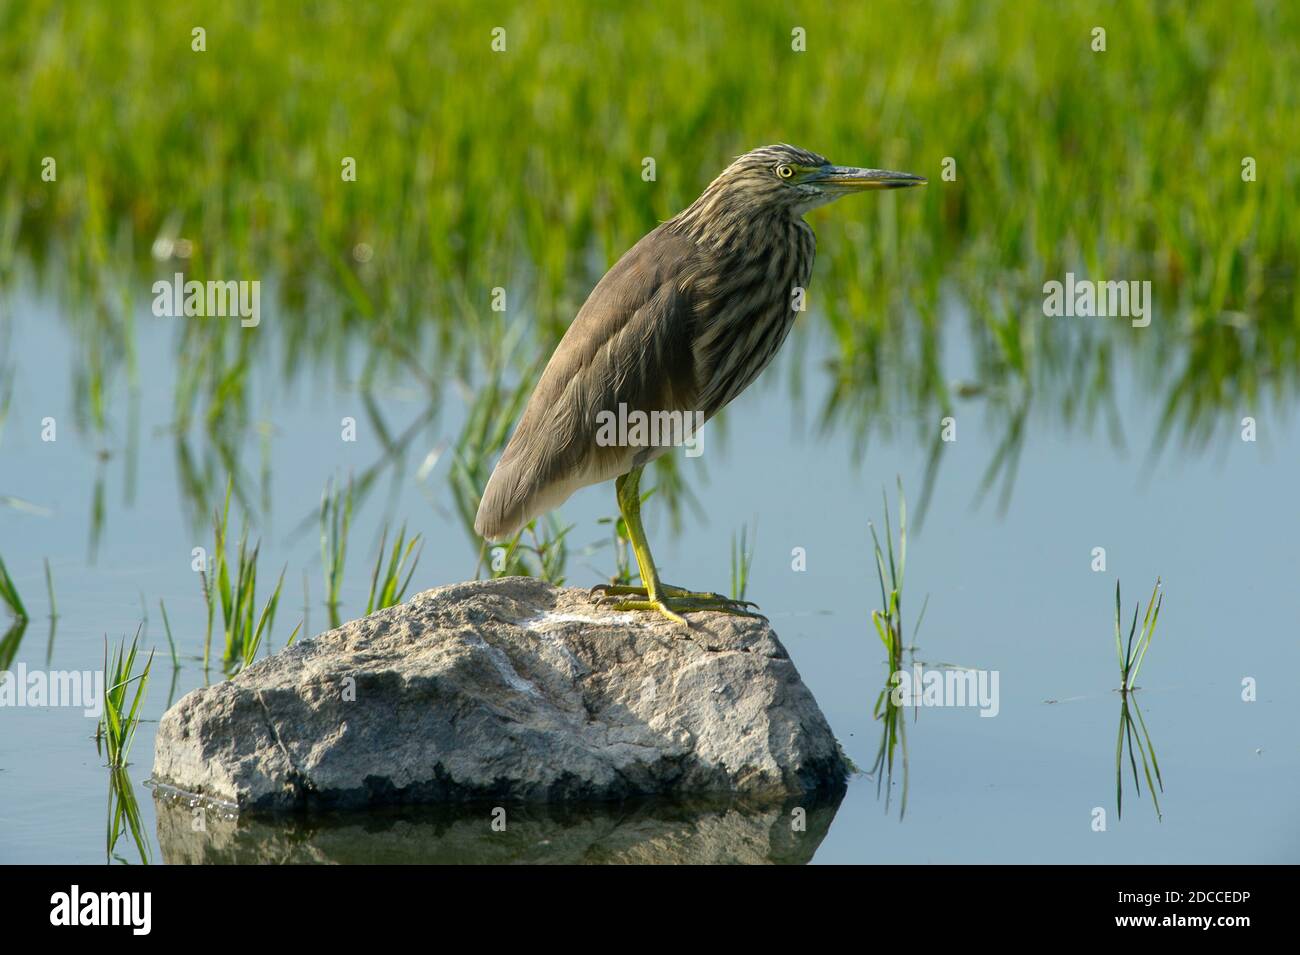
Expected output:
{"points": [[630, 344]]}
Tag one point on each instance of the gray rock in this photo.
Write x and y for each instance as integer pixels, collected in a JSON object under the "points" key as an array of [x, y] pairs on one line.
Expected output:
{"points": [[505, 689]]}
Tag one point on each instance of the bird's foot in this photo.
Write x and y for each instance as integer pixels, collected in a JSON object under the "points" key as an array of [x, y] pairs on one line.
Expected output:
{"points": [[672, 602], [603, 592], [660, 606]]}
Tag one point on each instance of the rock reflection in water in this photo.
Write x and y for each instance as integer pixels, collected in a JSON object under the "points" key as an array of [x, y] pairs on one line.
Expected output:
{"points": [[655, 831]]}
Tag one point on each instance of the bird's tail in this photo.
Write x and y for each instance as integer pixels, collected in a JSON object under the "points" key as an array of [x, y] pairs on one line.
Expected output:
{"points": [[501, 512]]}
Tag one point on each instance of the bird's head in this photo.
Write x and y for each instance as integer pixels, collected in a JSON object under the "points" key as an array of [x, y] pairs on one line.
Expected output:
{"points": [[781, 176]]}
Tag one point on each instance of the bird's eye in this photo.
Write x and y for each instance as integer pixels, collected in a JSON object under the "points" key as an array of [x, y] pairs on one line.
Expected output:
{"points": [[784, 171]]}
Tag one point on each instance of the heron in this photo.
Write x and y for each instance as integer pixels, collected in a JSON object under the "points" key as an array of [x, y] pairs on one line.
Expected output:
{"points": [[681, 324]]}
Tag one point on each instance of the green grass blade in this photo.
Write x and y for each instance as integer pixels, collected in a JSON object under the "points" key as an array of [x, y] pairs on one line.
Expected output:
{"points": [[1119, 762], [167, 628], [374, 576], [1148, 631], [49, 589], [9, 593], [1150, 748], [1119, 645], [1128, 649]]}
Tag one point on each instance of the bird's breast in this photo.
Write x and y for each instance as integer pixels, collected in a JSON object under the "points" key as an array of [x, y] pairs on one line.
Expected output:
{"points": [[745, 311]]}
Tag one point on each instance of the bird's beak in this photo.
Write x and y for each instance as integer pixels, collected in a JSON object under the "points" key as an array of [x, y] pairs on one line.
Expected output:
{"points": [[852, 177]]}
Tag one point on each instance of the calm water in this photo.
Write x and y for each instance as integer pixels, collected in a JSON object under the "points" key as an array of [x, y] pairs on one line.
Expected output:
{"points": [[1008, 591]]}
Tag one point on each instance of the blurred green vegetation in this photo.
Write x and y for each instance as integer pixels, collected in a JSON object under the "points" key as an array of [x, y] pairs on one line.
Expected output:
{"points": [[522, 169]]}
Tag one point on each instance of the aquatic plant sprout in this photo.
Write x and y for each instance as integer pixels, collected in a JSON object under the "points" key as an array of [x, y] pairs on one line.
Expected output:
{"points": [[1132, 653], [118, 723]]}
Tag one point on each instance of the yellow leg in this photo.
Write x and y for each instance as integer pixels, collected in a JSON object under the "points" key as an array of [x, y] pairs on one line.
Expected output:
{"points": [[658, 596]]}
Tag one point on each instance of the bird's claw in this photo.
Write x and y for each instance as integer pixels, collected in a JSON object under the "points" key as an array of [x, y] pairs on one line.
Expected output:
{"points": [[612, 591], [673, 602], [660, 606]]}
